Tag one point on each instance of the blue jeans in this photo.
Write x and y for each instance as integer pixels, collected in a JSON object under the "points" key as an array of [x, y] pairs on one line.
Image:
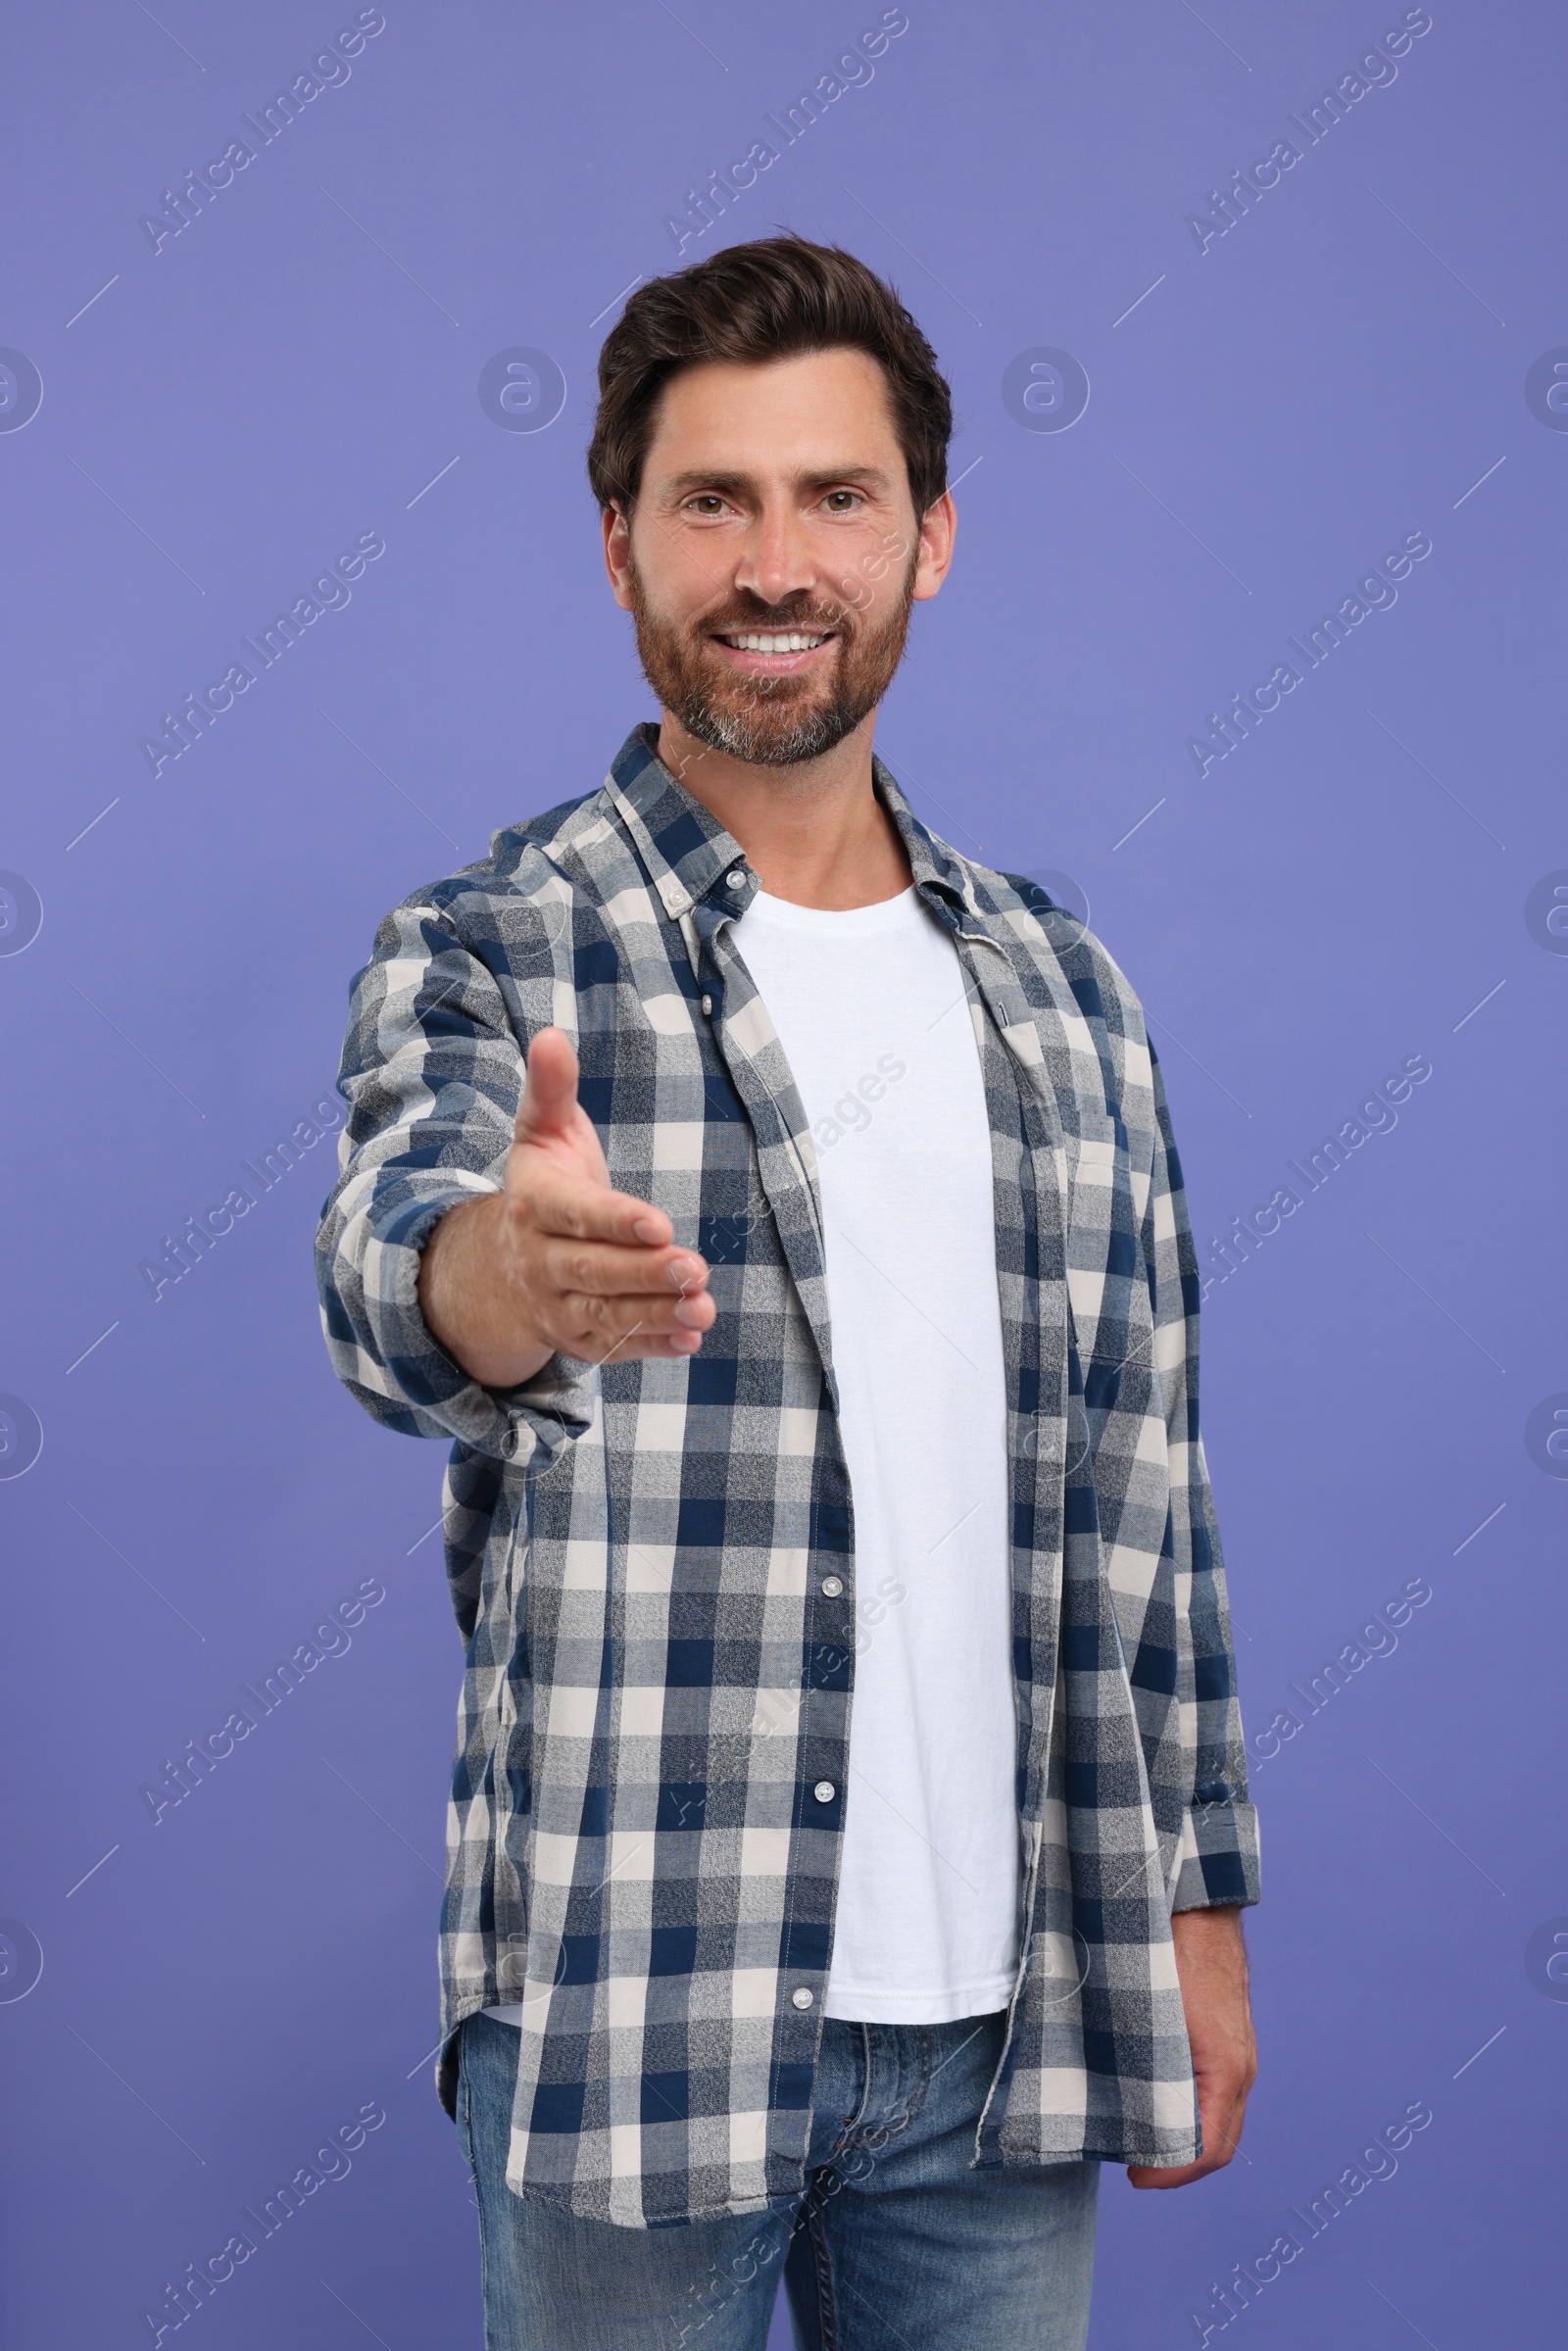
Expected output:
{"points": [[895, 2243]]}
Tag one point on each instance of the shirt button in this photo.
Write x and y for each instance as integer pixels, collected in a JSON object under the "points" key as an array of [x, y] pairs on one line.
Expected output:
{"points": [[832, 1587], [824, 1791], [707, 1004], [735, 881], [802, 1997]]}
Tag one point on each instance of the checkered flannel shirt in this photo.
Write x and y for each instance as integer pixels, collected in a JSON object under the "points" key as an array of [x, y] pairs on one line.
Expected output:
{"points": [[656, 1673]]}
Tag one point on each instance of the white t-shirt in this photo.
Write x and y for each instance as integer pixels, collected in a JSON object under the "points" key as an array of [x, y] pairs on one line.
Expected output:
{"points": [[869, 1006]]}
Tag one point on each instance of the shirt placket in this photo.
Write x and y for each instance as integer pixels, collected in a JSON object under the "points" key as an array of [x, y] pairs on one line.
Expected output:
{"points": [[1021, 1100], [743, 1034]]}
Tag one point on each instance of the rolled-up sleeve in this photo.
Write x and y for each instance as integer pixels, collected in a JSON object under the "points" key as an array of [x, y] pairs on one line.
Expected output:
{"points": [[432, 1072], [1217, 1862]]}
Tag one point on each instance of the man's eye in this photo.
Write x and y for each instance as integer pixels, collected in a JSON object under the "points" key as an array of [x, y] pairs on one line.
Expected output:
{"points": [[708, 501], [850, 498]]}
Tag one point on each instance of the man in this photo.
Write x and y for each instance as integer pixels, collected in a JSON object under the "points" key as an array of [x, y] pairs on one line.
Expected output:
{"points": [[848, 1828]]}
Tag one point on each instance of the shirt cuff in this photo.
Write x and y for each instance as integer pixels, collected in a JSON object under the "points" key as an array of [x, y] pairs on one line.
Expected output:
{"points": [[406, 1377], [1217, 1864]]}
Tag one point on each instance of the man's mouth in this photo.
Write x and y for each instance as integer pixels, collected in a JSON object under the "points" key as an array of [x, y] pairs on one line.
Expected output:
{"points": [[774, 651], [790, 641]]}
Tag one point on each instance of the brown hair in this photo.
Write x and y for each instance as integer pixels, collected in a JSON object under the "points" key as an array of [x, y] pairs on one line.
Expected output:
{"points": [[772, 299]]}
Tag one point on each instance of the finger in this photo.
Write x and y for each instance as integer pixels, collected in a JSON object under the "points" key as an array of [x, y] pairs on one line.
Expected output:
{"points": [[1228, 2138], [602, 1269], [605, 1321], [574, 1209], [1222, 2128], [550, 1088], [637, 1346], [1144, 2174]]}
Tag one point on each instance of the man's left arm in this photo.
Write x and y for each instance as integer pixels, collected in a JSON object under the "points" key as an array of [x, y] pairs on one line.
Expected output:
{"points": [[1217, 1866]]}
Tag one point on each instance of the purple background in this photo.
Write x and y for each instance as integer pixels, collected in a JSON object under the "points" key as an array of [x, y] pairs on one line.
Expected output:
{"points": [[298, 366]]}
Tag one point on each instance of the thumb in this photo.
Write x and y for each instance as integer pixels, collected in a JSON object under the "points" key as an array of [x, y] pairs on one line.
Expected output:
{"points": [[550, 1090]]}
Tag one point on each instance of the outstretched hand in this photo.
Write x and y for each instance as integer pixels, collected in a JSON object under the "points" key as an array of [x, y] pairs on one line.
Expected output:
{"points": [[558, 1261]]}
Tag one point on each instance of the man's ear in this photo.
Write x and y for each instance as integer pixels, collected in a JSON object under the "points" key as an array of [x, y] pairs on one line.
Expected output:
{"points": [[617, 553], [938, 527]]}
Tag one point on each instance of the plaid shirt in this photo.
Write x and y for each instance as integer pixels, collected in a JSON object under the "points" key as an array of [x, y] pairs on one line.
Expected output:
{"points": [[655, 1677]]}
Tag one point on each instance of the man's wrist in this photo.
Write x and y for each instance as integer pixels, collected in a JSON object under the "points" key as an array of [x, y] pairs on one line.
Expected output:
{"points": [[469, 1306], [1221, 1918]]}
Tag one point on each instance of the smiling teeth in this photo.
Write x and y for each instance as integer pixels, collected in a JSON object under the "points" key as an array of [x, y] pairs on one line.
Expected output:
{"points": [[787, 644]]}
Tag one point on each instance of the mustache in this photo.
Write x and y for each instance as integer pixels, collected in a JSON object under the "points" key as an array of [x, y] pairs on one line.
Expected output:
{"points": [[762, 618]]}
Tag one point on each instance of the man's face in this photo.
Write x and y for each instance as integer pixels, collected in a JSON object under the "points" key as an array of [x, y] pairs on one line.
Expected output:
{"points": [[775, 504]]}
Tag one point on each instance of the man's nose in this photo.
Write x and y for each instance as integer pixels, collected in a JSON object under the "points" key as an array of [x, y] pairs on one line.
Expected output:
{"points": [[778, 560]]}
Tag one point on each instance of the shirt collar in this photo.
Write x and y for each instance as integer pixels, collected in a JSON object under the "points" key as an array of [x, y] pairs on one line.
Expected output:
{"points": [[690, 855]]}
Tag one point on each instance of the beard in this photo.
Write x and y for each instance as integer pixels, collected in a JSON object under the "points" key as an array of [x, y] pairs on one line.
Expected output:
{"points": [[772, 722]]}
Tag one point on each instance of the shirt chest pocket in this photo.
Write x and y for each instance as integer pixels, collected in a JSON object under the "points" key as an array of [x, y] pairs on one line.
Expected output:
{"points": [[1109, 1306]]}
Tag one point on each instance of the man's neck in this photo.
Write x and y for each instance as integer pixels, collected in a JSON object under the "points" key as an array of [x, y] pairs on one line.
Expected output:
{"points": [[815, 832]]}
